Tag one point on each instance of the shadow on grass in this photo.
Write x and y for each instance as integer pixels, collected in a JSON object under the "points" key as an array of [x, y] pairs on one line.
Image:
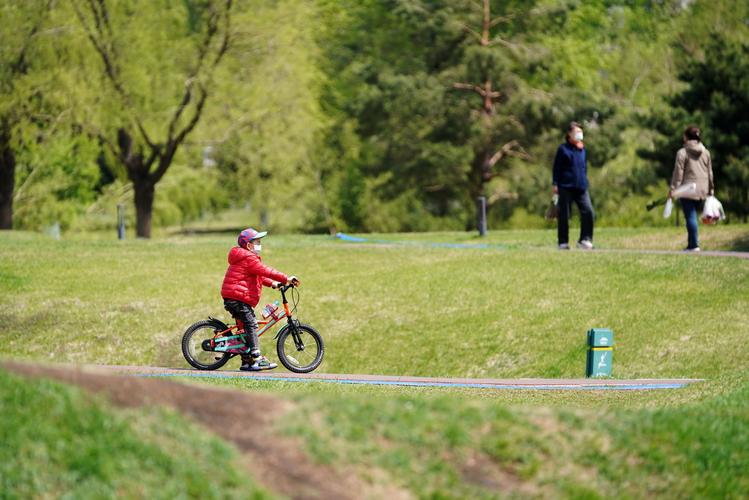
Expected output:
{"points": [[740, 243]]}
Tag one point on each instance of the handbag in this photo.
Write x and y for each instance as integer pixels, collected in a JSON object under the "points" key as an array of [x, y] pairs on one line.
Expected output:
{"points": [[552, 212]]}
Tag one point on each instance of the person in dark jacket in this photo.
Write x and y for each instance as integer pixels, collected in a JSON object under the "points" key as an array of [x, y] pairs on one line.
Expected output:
{"points": [[570, 179], [241, 289]]}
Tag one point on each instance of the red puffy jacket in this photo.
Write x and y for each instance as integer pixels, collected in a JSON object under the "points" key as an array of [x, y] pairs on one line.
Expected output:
{"points": [[246, 276]]}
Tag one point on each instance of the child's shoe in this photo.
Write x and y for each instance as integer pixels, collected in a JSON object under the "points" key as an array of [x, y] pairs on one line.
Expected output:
{"points": [[256, 364]]}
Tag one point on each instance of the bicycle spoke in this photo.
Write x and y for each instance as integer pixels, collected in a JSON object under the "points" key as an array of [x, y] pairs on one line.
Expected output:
{"points": [[304, 356], [194, 346], [300, 348]]}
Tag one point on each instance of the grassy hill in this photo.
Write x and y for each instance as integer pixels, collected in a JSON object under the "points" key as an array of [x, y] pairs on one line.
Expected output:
{"points": [[517, 308], [461, 447], [59, 442]]}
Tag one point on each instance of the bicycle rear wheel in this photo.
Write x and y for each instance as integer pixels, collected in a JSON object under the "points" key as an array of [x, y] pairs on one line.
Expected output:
{"points": [[300, 349], [193, 347]]}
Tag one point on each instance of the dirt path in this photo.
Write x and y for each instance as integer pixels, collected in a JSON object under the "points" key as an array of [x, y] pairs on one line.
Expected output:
{"points": [[243, 418]]}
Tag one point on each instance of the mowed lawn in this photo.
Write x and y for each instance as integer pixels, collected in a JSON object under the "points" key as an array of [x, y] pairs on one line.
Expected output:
{"points": [[518, 308], [514, 310]]}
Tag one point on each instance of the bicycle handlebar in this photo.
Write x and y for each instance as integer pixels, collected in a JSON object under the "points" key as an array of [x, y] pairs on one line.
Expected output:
{"points": [[286, 287]]}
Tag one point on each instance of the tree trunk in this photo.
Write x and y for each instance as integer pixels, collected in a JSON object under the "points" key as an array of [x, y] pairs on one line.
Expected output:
{"points": [[7, 178], [476, 176], [144, 194]]}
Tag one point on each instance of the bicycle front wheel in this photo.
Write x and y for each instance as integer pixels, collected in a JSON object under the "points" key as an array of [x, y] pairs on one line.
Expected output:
{"points": [[193, 347], [300, 348]]}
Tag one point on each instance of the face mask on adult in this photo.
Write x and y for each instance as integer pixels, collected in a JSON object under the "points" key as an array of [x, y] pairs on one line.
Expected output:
{"points": [[257, 248], [578, 136]]}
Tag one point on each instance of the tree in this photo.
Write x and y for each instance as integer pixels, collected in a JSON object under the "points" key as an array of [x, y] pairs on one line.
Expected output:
{"points": [[20, 27], [158, 81], [487, 65], [430, 89], [713, 50], [718, 98], [265, 133]]}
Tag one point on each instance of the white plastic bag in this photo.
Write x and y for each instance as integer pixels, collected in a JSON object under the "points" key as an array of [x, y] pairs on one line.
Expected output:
{"points": [[686, 191], [712, 211], [553, 211], [667, 209]]}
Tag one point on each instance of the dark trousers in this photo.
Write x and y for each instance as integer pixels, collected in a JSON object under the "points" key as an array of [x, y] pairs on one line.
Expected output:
{"points": [[244, 313], [690, 208], [581, 198]]}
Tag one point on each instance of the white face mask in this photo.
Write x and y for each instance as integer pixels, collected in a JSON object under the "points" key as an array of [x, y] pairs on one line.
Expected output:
{"points": [[257, 248], [578, 136]]}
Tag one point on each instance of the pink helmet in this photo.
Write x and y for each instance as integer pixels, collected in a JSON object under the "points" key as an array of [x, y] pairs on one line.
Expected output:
{"points": [[248, 235]]}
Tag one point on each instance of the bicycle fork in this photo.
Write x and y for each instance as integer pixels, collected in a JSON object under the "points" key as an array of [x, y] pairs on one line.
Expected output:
{"points": [[293, 326]]}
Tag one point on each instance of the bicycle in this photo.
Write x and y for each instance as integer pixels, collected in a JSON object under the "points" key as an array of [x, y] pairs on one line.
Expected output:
{"points": [[210, 343]]}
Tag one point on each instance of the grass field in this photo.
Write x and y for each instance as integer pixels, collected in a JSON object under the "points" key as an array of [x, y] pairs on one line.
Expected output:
{"points": [[60, 442], [516, 309], [388, 309]]}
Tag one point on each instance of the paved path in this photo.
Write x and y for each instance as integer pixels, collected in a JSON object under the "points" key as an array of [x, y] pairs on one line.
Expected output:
{"points": [[706, 253], [280, 375], [498, 246]]}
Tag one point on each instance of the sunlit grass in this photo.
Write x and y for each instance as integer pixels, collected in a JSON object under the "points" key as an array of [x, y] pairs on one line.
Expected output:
{"points": [[518, 308], [58, 442], [386, 309]]}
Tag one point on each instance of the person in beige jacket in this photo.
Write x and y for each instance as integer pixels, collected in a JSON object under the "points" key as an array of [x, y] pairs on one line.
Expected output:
{"points": [[693, 165]]}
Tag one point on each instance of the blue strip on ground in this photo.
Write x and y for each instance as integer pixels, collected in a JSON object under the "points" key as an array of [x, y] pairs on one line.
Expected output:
{"points": [[356, 239], [634, 387]]}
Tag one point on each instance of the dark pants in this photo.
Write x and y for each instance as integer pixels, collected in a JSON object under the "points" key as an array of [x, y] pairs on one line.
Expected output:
{"points": [[244, 313], [690, 208], [581, 197]]}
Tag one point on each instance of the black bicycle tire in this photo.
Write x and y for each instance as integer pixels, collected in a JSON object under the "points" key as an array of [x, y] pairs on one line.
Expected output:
{"points": [[186, 352], [282, 355]]}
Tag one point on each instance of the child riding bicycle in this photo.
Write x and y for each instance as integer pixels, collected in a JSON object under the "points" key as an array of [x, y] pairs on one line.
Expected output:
{"points": [[241, 289]]}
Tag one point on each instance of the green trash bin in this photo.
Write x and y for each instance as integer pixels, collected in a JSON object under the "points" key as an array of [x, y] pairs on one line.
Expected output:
{"points": [[600, 352], [600, 337]]}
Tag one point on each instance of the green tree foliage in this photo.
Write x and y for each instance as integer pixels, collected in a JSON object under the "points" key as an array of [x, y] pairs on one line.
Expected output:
{"points": [[427, 89], [155, 64], [36, 143], [57, 178], [351, 198], [381, 115], [714, 95], [266, 127], [452, 100]]}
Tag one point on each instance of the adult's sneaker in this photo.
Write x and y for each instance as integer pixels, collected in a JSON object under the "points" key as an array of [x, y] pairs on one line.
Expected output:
{"points": [[257, 364], [695, 249], [564, 246], [585, 244]]}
